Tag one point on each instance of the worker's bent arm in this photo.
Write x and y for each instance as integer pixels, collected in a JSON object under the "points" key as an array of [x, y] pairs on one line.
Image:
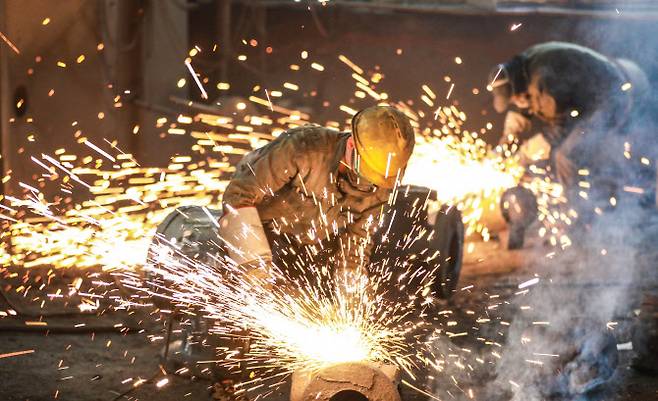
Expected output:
{"points": [[580, 145], [516, 123], [263, 172], [356, 242], [259, 175]]}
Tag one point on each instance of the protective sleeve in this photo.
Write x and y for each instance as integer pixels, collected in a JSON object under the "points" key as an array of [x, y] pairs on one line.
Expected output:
{"points": [[363, 216], [244, 236]]}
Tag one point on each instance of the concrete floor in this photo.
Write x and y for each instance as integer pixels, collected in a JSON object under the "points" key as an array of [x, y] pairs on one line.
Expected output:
{"points": [[102, 366]]}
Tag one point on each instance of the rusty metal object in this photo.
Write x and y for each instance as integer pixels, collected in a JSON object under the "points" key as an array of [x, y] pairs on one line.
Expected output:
{"points": [[645, 336], [188, 233], [519, 208], [353, 381], [417, 210], [583, 357]]}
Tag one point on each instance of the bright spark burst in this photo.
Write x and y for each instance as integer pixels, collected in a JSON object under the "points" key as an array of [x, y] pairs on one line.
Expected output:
{"points": [[299, 323], [462, 173]]}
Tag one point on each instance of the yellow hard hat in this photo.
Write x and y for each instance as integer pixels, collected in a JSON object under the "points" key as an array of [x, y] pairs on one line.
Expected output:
{"points": [[384, 141]]}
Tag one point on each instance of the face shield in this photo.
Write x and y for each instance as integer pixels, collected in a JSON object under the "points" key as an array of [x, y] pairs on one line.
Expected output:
{"points": [[352, 169], [384, 140]]}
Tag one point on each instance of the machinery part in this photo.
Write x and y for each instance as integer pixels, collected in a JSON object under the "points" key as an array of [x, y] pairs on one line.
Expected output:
{"points": [[449, 230], [587, 357], [422, 226], [22, 327], [645, 336], [188, 232], [244, 236], [353, 381], [384, 140], [191, 348], [519, 208], [190, 345]]}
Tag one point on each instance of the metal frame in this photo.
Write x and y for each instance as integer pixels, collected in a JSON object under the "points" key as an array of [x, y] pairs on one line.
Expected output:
{"points": [[646, 11], [4, 99]]}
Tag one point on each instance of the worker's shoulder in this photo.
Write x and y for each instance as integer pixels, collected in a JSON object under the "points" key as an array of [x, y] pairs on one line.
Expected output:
{"points": [[557, 50], [312, 136]]}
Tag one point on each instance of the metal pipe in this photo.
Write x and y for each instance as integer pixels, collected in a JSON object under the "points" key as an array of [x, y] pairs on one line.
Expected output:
{"points": [[23, 327], [353, 381], [4, 99], [4, 114], [509, 9], [225, 38], [122, 23]]}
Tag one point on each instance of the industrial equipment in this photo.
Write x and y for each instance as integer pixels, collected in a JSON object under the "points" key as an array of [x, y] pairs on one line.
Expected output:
{"points": [[192, 232], [519, 208]]}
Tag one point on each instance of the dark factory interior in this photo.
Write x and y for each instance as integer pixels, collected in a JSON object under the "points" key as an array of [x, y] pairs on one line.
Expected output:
{"points": [[329, 200]]}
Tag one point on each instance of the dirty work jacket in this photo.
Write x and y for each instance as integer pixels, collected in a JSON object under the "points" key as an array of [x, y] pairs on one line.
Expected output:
{"points": [[295, 184]]}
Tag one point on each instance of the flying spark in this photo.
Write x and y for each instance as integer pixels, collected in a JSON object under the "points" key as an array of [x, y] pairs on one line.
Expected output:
{"points": [[188, 64], [9, 43], [17, 353]]}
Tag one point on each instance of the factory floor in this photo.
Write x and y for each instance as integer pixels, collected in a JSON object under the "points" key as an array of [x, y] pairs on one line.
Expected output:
{"points": [[106, 365]]}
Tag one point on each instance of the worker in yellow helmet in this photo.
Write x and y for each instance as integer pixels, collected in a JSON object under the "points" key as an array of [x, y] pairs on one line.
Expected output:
{"points": [[317, 190]]}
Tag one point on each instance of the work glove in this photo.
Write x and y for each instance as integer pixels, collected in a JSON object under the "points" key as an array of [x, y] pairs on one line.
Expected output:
{"points": [[357, 213], [351, 274], [515, 124]]}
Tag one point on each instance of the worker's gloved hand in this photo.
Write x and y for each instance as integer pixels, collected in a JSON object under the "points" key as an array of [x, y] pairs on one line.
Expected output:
{"points": [[359, 199], [536, 148], [246, 244], [356, 210], [359, 210], [515, 124], [565, 169]]}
